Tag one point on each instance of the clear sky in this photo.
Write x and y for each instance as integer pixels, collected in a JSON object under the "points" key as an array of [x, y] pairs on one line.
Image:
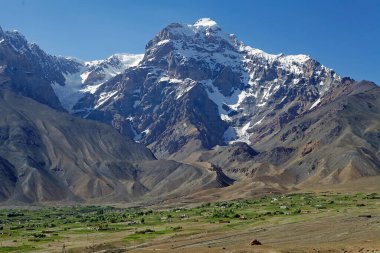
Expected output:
{"points": [[341, 34]]}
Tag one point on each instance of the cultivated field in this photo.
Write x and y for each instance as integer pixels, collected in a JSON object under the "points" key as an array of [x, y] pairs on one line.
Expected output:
{"points": [[300, 222]]}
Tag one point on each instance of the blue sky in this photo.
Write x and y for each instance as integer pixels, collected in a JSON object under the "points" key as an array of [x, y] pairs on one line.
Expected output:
{"points": [[341, 34]]}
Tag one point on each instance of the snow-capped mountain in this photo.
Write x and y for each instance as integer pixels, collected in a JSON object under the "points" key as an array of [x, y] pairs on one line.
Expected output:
{"points": [[48, 155], [197, 95], [59, 81], [90, 76], [197, 84], [28, 70], [195, 87]]}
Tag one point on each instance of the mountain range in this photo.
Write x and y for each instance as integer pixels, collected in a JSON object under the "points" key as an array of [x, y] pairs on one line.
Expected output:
{"points": [[198, 110]]}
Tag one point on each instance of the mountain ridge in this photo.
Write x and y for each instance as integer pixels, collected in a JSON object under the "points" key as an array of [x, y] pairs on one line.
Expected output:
{"points": [[229, 72], [48, 156], [221, 110]]}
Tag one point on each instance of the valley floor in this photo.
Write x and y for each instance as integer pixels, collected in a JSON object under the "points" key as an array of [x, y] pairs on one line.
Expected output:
{"points": [[298, 222]]}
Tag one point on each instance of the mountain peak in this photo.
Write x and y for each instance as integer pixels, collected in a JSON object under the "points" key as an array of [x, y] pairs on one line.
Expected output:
{"points": [[206, 23], [203, 26]]}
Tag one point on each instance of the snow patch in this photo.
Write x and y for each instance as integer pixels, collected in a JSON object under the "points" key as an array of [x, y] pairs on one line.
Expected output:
{"points": [[225, 117], [241, 98], [182, 92], [315, 103], [205, 22], [233, 101], [138, 137], [129, 60], [104, 97], [242, 133], [93, 63], [71, 92], [282, 100], [261, 104], [259, 122], [67, 95], [168, 79], [75, 83], [112, 66], [238, 134], [185, 86], [91, 88], [162, 42]]}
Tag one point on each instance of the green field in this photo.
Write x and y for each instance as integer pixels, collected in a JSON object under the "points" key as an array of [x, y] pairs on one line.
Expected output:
{"points": [[93, 228]]}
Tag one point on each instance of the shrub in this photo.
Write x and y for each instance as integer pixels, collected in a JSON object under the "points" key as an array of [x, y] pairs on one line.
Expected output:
{"points": [[10, 215], [39, 235], [176, 228], [146, 231], [297, 211]]}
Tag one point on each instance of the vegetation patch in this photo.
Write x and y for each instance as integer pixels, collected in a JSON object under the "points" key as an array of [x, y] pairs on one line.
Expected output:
{"points": [[26, 230]]}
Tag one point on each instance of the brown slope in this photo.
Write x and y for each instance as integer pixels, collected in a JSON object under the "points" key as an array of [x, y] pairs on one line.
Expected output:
{"points": [[336, 142], [9, 179], [52, 156]]}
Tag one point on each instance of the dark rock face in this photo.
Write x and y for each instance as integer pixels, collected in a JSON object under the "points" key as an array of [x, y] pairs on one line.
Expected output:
{"points": [[226, 80], [55, 81], [27, 70], [9, 179], [198, 87]]}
